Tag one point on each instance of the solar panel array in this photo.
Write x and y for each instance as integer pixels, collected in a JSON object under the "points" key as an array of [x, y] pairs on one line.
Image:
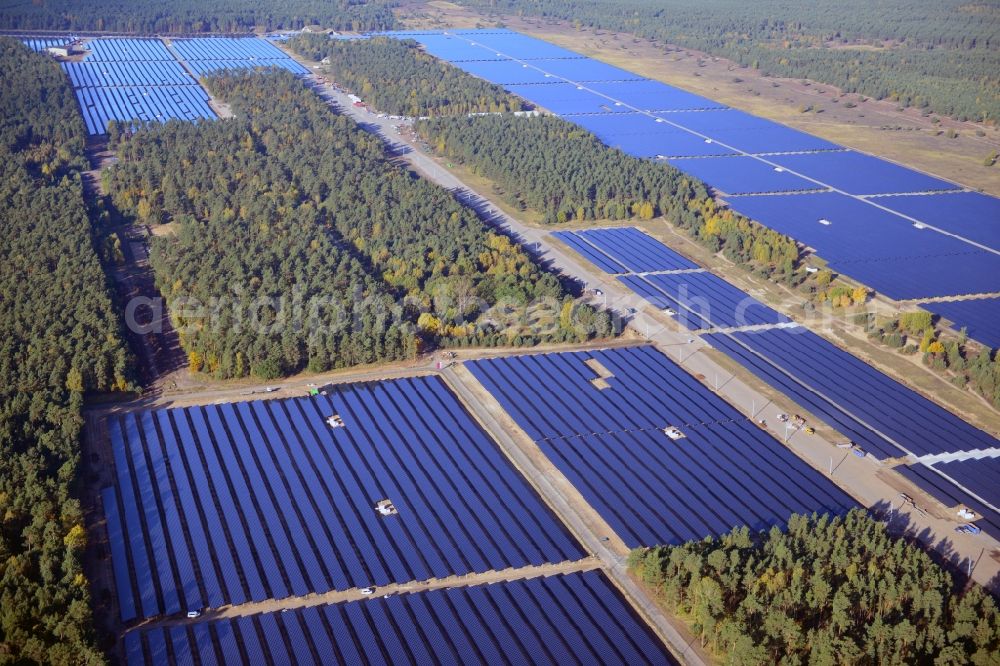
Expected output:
{"points": [[572, 618], [876, 412], [625, 250], [38, 44], [134, 79], [226, 504], [980, 317], [650, 119], [703, 300], [610, 443], [207, 55]]}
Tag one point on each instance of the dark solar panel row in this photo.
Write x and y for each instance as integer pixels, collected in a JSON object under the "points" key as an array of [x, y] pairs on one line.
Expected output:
{"points": [[896, 414], [145, 103], [875, 246], [257, 500], [226, 48], [610, 442], [637, 251], [740, 174], [703, 300], [981, 476], [126, 50], [573, 618], [980, 317], [106, 74]]}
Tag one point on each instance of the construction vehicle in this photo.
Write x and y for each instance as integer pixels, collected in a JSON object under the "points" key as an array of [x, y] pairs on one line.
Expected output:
{"points": [[810, 430], [368, 590], [968, 529], [966, 514]]}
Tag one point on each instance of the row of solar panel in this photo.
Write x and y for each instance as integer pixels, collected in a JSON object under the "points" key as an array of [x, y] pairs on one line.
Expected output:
{"points": [[838, 388], [264, 500], [573, 618], [153, 103], [979, 317], [38, 44], [702, 300], [226, 48], [126, 50], [106, 74], [978, 475], [206, 67], [878, 248], [625, 250], [723, 472]]}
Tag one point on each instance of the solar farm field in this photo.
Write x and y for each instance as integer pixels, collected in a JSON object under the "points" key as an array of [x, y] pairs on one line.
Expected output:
{"points": [[980, 317], [572, 618], [908, 252], [838, 388], [703, 300], [605, 427], [231, 503], [625, 250], [207, 55], [134, 79], [42, 43]]}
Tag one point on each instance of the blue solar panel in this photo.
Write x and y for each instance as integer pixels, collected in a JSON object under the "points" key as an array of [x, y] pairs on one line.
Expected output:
{"points": [[513, 44], [748, 133], [284, 497], [646, 95], [41, 43], [875, 246], [226, 48], [455, 49], [506, 72], [637, 251], [119, 557], [583, 70], [706, 300], [743, 175], [125, 50], [856, 173], [651, 489], [969, 214], [568, 618], [590, 253], [905, 419], [980, 476], [566, 98], [664, 143], [979, 316]]}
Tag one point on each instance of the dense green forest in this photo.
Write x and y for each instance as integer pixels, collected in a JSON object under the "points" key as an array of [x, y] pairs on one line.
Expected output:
{"points": [[398, 78], [566, 173], [60, 337], [192, 16], [308, 248], [825, 591], [939, 55]]}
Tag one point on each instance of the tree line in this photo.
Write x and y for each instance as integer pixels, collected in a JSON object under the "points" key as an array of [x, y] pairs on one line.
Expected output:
{"points": [[60, 337], [397, 77], [564, 172], [967, 365], [298, 245], [823, 591], [943, 56], [196, 16]]}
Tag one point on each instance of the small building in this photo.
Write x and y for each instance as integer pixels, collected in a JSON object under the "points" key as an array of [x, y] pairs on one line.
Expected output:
{"points": [[64, 51]]}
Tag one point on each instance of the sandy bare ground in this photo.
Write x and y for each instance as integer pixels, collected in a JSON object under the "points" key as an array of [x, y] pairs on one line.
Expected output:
{"points": [[879, 128]]}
